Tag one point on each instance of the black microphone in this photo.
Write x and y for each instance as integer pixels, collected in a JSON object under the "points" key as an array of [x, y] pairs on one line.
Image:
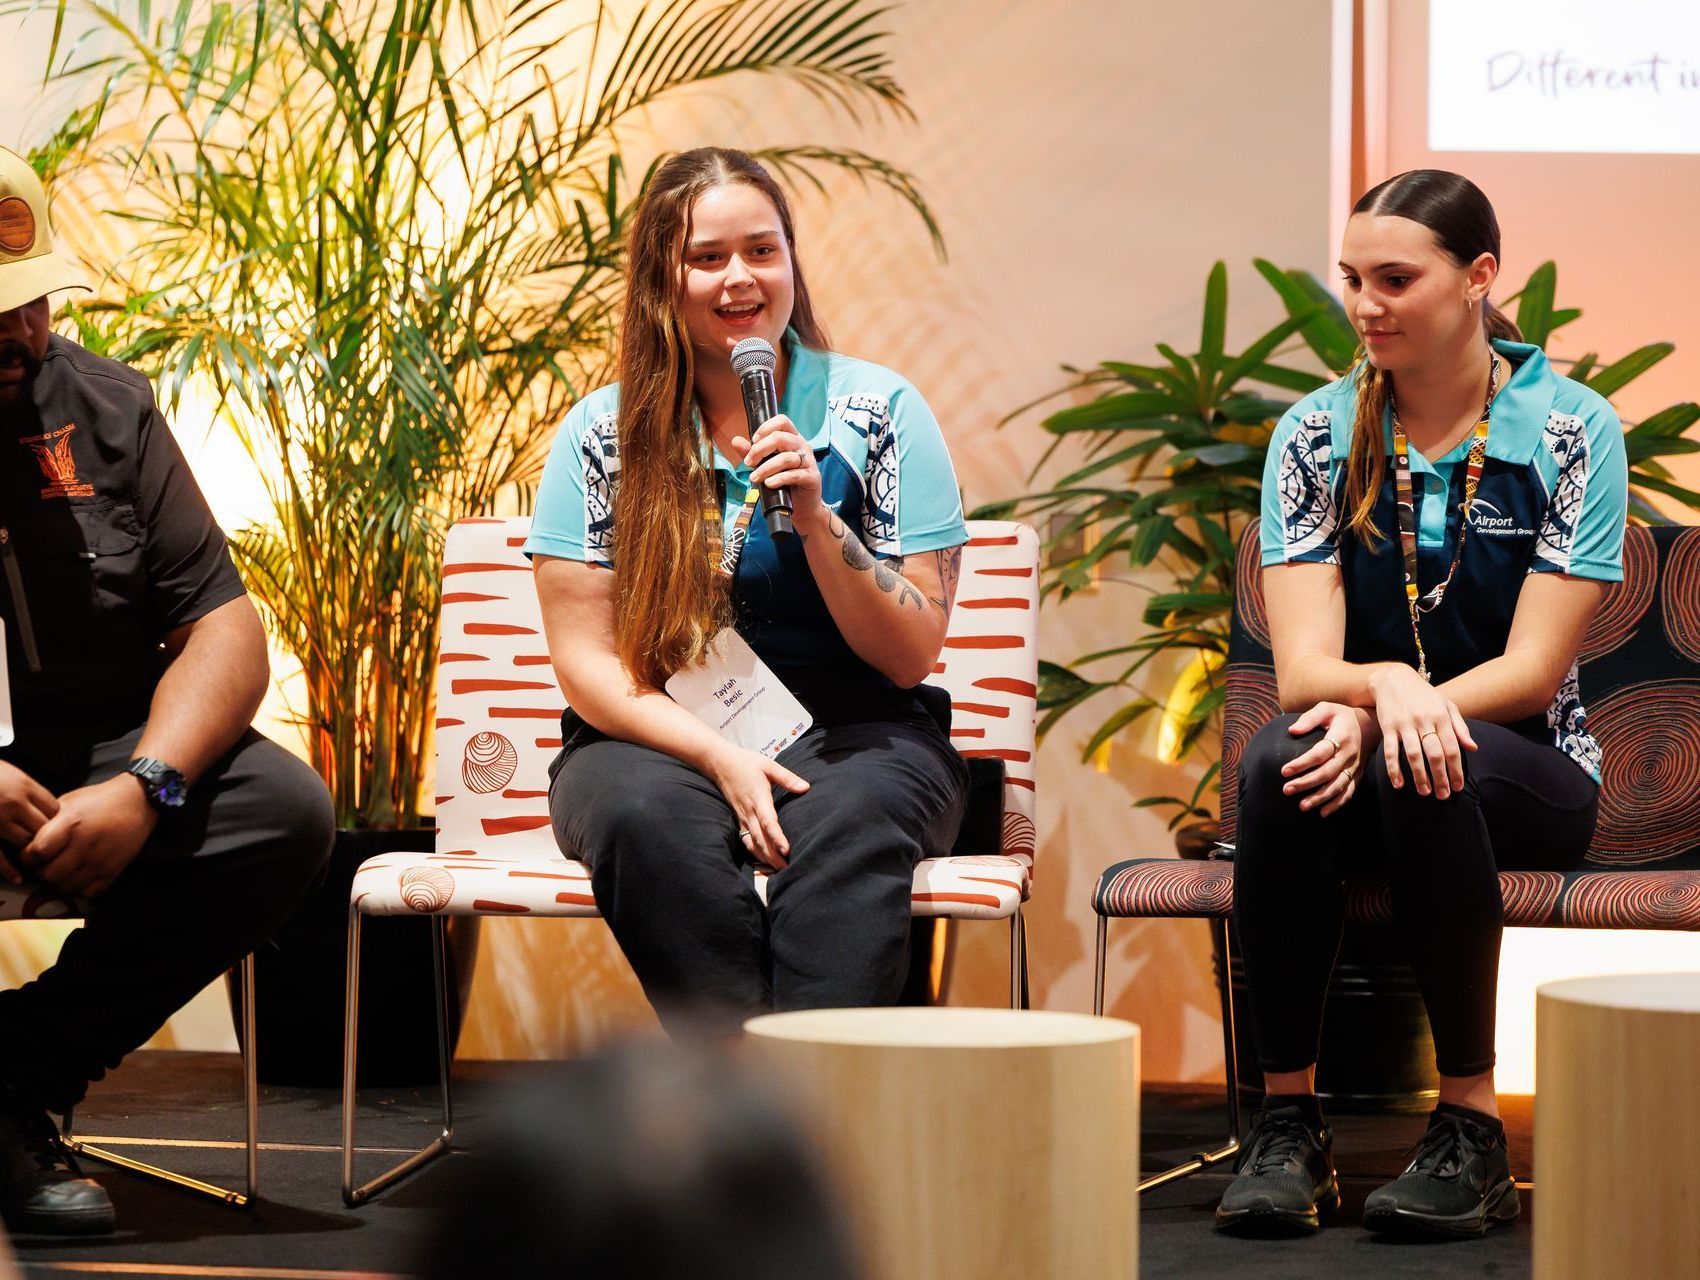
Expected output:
{"points": [[753, 361]]}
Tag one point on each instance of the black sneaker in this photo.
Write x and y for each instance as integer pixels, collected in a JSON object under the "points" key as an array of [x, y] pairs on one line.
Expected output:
{"points": [[1286, 1177], [1458, 1182], [41, 1189]]}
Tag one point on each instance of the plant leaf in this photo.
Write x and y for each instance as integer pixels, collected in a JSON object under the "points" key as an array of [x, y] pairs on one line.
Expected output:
{"points": [[1615, 376], [1329, 334], [1116, 722], [1534, 304]]}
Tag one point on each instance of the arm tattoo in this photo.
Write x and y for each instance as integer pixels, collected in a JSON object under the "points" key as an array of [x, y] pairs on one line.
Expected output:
{"points": [[949, 564], [906, 594], [888, 574]]}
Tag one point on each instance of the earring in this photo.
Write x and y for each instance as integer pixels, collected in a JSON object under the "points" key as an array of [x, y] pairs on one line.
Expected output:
{"points": [[1469, 303]]}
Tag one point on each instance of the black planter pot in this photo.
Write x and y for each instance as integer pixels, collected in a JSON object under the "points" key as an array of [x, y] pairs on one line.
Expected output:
{"points": [[1376, 1053], [300, 978]]}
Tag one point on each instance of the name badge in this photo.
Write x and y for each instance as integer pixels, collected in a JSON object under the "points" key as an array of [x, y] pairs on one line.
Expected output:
{"points": [[737, 695], [6, 732]]}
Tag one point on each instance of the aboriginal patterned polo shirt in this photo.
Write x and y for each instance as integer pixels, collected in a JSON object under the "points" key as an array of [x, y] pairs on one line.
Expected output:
{"points": [[884, 469], [1552, 499]]}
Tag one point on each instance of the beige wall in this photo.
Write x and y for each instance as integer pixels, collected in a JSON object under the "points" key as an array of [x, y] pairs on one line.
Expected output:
{"points": [[1089, 161]]}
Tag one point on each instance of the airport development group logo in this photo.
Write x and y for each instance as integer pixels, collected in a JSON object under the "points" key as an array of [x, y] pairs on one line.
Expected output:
{"points": [[1490, 522], [53, 453]]}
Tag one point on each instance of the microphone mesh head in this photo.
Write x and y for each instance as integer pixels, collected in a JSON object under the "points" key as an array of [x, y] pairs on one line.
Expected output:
{"points": [[753, 353]]}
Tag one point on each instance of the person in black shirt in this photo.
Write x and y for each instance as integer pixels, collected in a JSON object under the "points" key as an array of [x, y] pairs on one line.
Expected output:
{"points": [[129, 775]]}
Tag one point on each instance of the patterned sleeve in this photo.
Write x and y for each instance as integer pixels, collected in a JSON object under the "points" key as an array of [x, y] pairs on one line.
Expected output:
{"points": [[1300, 520], [1581, 532], [574, 519], [913, 503]]}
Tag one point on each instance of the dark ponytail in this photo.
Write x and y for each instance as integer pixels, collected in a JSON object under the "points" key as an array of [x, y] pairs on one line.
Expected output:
{"points": [[1498, 324]]}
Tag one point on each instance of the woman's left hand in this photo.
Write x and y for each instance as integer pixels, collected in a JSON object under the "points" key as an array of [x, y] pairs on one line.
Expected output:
{"points": [[782, 459]]}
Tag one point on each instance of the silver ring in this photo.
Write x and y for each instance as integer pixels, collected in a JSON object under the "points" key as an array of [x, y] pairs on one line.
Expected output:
{"points": [[1348, 772], [743, 835], [1333, 743]]}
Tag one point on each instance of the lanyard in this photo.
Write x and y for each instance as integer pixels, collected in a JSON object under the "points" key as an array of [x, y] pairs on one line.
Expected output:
{"points": [[732, 542], [1419, 603]]}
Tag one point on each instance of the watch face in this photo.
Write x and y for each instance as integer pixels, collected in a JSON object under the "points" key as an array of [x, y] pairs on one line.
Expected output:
{"points": [[170, 790], [166, 788]]}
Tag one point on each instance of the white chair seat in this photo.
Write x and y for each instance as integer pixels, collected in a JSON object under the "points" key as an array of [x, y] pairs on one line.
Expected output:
{"points": [[473, 884], [464, 884]]}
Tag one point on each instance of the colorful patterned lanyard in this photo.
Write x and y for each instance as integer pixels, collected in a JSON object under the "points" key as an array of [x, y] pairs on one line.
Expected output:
{"points": [[1420, 604], [732, 548]]}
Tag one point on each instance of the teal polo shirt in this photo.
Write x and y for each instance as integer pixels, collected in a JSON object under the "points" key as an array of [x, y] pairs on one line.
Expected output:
{"points": [[884, 470], [1553, 498]]}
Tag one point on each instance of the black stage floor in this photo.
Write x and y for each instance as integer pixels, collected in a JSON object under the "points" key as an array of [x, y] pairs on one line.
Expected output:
{"points": [[301, 1231]]}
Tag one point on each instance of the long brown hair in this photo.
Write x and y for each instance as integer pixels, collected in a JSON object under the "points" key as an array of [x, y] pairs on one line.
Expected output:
{"points": [[1464, 226], [669, 600]]}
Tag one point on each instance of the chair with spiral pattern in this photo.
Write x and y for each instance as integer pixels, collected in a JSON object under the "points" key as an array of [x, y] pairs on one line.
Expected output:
{"points": [[1640, 673]]}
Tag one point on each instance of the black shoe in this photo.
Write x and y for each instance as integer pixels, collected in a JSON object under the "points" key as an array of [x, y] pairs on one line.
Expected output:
{"points": [[1458, 1182], [41, 1189], [1286, 1177]]}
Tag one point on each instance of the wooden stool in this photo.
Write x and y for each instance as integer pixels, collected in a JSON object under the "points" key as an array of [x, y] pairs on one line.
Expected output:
{"points": [[1617, 1127], [972, 1144]]}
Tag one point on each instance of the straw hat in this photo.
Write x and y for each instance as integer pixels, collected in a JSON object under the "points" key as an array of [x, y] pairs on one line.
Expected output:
{"points": [[29, 269]]}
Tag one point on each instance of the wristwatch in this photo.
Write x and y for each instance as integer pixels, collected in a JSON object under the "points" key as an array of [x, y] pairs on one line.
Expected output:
{"points": [[166, 788]]}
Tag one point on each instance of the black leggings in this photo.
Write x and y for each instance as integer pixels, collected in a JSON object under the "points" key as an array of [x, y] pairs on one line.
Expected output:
{"points": [[1525, 806]]}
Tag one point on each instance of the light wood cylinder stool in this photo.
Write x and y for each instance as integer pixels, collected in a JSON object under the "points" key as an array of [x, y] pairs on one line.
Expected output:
{"points": [[1617, 1128], [972, 1144]]}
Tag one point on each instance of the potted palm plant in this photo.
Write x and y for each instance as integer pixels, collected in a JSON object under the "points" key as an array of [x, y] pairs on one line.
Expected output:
{"points": [[388, 239]]}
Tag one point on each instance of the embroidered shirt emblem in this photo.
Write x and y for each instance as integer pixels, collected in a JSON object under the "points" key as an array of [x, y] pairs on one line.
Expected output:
{"points": [[53, 452]]}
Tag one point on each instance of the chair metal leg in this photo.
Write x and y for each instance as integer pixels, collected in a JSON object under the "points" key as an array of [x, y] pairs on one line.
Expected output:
{"points": [[250, 1072], [1098, 967], [1017, 961], [1026, 991], [251, 1110], [1204, 1159], [351, 1194]]}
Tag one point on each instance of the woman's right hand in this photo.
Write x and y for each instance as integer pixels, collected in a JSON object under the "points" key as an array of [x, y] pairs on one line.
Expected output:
{"points": [[747, 778], [1329, 770], [1423, 725]]}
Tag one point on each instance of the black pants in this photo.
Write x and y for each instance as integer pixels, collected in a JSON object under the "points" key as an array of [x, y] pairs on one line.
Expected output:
{"points": [[1525, 806], [212, 883], [675, 883]]}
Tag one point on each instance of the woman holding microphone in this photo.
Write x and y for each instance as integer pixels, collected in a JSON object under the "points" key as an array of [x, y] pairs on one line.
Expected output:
{"points": [[647, 545], [1438, 529]]}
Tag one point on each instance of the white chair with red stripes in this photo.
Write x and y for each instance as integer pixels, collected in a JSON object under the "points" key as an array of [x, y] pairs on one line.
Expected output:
{"points": [[498, 727]]}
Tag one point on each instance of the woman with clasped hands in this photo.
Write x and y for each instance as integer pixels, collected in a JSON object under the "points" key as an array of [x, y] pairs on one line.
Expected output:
{"points": [[1438, 526], [647, 544]]}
